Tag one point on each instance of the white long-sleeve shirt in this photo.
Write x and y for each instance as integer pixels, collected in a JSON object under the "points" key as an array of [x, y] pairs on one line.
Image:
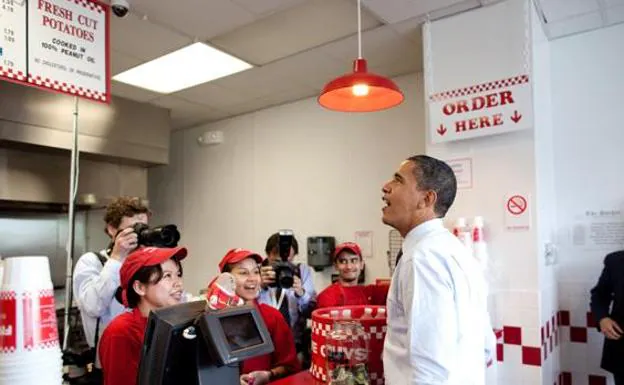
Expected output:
{"points": [[437, 309], [94, 289]]}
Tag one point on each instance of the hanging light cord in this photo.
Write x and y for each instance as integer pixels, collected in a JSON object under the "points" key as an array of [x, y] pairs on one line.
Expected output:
{"points": [[359, 28]]}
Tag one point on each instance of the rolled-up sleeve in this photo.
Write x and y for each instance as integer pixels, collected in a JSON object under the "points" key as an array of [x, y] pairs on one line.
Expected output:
{"points": [[432, 318]]}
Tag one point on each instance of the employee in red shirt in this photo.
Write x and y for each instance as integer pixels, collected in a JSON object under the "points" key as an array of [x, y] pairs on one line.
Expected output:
{"points": [[244, 266], [346, 292], [151, 278]]}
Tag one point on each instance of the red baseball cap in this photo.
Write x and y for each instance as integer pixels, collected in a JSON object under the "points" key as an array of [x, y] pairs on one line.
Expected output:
{"points": [[237, 255], [146, 256], [351, 246]]}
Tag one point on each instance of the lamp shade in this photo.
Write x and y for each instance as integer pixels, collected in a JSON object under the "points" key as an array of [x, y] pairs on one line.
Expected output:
{"points": [[360, 91]]}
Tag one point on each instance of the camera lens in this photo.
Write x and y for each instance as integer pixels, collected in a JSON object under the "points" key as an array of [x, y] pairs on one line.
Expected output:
{"points": [[285, 278]]}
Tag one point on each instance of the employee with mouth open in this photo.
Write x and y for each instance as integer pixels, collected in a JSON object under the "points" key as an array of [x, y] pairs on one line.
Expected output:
{"points": [[244, 265]]}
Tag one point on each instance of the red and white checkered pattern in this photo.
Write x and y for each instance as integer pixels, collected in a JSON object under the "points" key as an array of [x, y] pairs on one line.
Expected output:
{"points": [[46, 293], [7, 295], [490, 86], [70, 88], [11, 74], [565, 378], [318, 372], [89, 4]]}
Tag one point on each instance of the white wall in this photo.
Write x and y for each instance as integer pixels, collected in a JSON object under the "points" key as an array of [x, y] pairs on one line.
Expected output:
{"points": [[587, 83], [293, 166]]}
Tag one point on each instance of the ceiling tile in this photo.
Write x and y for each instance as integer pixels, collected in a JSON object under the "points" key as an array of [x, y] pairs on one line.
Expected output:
{"points": [[130, 92], [294, 30], [202, 19], [574, 25], [266, 7], [311, 68], [185, 114], [398, 10], [409, 29], [615, 15], [143, 39], [256, 82], [556, 10], [291, 95], [613, 3], [212, 95], [121, 62]]}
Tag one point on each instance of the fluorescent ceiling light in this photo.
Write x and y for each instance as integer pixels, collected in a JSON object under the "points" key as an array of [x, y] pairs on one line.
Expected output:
{"points": [[187, 67]]}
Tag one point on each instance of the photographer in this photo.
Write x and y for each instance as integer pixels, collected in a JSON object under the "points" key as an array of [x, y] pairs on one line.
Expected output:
{"points": [[288, 287], [96, 275]]}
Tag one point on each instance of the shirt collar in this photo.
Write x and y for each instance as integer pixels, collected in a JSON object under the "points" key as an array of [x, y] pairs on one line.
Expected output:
{"points": [[419, 232]]}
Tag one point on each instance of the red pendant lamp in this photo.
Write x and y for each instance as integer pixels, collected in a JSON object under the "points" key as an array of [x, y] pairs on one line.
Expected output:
{"points": [[360, 91]]}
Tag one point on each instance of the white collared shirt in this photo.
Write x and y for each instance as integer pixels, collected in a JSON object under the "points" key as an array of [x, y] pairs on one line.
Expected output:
{"points": [[94, 287], [437, 312]]}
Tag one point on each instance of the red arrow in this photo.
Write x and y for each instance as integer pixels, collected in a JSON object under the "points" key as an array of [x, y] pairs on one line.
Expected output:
{"points": [[441, 130], [516, 116]]}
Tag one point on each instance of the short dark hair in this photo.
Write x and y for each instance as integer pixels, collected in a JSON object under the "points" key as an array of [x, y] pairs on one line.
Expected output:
{"points": [[434, 174], [146, 275], [272, 244], [124, 207]]}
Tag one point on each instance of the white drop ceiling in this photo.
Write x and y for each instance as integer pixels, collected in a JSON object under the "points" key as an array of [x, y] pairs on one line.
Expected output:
{"points": [[296, 46]]}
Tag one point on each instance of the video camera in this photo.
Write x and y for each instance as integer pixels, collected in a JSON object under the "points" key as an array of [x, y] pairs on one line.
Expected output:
{"points": [[161, 236], [285, 270]]}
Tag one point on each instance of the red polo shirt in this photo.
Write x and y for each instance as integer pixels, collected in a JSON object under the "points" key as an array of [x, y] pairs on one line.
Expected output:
{"points": [[339, 295], [120, 348], [283, 342]]}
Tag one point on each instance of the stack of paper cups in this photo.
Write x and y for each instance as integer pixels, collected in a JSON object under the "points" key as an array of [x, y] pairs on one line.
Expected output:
{"points": [[29, 344]]}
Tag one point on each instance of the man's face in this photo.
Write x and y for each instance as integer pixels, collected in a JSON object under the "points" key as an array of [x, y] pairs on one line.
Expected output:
{"points": [[274, 255], [127, 222], [349, 266], [406, 205]]}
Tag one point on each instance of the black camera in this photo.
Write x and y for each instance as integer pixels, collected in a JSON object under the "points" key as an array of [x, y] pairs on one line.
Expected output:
{"points": [[161, 236], [285, 271]]}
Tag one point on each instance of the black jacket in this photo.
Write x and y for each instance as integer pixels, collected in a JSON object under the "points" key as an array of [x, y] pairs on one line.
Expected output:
{"points": [[610, 291]]}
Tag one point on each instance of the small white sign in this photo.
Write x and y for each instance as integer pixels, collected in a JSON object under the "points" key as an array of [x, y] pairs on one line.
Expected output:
{"points": [[365, 240], [13, 40], [517, 212], [463, 172]]}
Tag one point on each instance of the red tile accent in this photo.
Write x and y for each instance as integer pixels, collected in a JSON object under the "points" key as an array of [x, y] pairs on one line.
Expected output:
{"points": [[578, 334], [499, 352], [565, 318], [512, 335], [597, 380], [498, 333], [545, 353], [542, 335], [531, 356], [548, 329], [591, 322], [565, 378]]}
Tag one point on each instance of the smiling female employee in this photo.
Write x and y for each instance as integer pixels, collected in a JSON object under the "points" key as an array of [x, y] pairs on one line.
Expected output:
{"points": [[244, 266], [151, 278]]}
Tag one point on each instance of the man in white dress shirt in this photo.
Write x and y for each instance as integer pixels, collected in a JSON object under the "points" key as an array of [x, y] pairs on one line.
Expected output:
{"points": [[437, 300]]}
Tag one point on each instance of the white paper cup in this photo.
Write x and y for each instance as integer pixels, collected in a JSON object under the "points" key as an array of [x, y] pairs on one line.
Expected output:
{"points": [[28, 324]]}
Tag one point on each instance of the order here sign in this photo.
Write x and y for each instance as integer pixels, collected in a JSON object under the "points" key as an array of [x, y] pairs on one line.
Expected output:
{"points": [[484, 109]]}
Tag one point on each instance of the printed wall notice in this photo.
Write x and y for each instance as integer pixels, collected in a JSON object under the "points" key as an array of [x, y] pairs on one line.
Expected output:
{"points": [[599, 229], [13, 40], [463, 172], [57, 45]]}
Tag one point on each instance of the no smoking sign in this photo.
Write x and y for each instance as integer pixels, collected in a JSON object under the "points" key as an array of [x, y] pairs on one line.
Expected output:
{"points": [[517, 212]]}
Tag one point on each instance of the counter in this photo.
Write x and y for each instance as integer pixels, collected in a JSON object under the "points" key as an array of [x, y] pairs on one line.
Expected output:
{"points": [[301, 378]]}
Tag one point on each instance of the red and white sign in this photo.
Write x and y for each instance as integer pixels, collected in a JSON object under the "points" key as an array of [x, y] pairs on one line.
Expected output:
{"points": [[484, 109], [517, 212], [58, 45], [8, 321], [478, 77]]}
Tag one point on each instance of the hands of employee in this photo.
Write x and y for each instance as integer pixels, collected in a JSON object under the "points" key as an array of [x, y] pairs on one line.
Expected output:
{"points": [[259, 377], [298, 287], [125, 242], [268, 275], [610, 329]]}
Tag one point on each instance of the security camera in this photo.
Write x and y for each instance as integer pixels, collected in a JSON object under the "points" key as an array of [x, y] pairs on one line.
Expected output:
{"points": [[120, 7]]}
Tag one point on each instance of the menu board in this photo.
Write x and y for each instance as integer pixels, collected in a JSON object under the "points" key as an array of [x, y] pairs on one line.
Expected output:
{"points": [[13, 44], [58, 45]]}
